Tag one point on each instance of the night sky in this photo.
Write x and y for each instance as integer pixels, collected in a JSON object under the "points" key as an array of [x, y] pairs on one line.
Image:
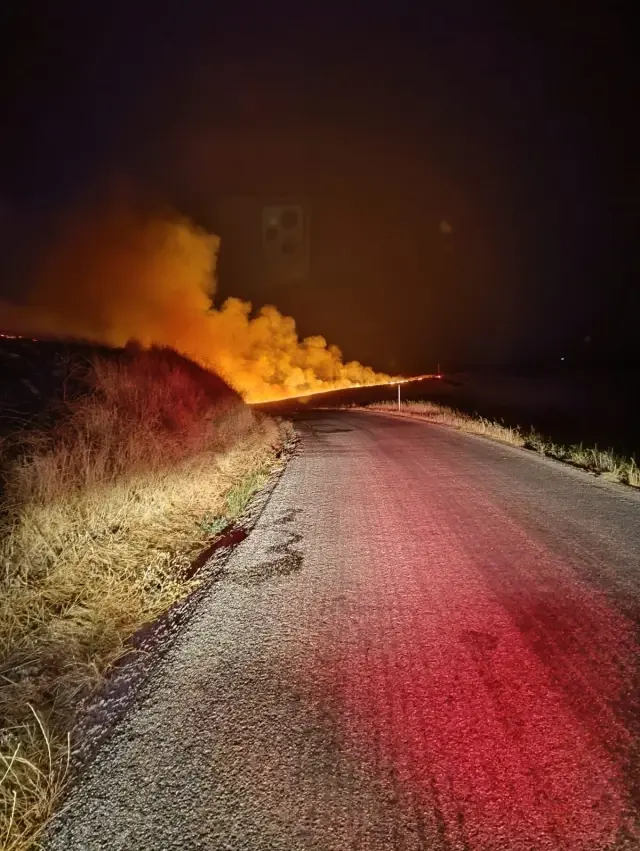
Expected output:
{"points": [[513, 126]]}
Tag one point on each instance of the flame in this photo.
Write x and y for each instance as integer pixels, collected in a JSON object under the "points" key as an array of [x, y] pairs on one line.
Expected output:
{"points": [[115, 275], [383, 383]]}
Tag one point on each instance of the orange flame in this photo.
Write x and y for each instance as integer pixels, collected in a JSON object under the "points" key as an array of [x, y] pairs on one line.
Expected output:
{"points": [[115, 275]]}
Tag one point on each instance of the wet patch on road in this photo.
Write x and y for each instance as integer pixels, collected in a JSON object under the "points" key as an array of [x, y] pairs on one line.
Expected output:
{"points": [[229, 537], [285, 559], [483, 641], [285, 566], [288, 517]]}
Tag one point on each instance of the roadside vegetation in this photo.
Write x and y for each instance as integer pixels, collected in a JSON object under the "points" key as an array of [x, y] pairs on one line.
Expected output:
{"points": [[102, 512], [602, 462]]}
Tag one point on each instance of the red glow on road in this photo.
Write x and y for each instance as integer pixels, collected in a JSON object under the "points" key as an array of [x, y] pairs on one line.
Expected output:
{"points": [[500, 733]]}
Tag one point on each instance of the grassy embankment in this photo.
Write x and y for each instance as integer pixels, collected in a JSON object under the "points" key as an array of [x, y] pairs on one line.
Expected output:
{"points": [[602, 462], [101, 513]]}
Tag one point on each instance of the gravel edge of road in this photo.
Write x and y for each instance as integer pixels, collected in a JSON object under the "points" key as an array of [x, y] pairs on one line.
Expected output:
{"points": [[98, 715]]}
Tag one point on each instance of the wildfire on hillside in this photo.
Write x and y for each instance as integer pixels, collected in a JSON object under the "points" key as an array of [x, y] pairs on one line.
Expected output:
{"points": [[115, 275]]}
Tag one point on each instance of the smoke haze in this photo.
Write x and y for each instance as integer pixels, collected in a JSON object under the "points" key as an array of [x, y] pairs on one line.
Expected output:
{"points": [[116, 273]]}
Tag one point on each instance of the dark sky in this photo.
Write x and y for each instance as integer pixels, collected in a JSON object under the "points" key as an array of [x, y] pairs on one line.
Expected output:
{"points": [[512, 124]]}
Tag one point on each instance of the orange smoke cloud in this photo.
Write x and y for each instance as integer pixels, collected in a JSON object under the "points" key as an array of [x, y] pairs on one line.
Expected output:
{"points": [[117, 275]]}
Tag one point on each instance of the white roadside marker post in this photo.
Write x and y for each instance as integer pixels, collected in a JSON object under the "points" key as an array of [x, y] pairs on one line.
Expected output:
{"points": [[398, 395]]}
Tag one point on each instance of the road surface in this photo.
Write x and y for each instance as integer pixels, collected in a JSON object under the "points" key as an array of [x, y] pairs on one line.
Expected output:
{"points": [[429, 641]]}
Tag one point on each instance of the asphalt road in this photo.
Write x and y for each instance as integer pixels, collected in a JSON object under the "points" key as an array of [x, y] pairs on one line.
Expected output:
{"points": [[429, 641]]}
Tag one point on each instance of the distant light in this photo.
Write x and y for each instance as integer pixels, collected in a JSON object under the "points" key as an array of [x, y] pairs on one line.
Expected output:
{"points": [[561, 358]]}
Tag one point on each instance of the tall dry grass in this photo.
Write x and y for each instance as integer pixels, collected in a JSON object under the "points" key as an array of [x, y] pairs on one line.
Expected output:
{"points": [[100, 515]]}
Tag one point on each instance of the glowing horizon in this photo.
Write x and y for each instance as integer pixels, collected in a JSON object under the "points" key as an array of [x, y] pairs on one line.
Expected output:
{"points": [[393, 383]]}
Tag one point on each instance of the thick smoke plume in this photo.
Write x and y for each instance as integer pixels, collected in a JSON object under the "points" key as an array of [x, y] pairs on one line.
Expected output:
{"points": [[116, 275]]}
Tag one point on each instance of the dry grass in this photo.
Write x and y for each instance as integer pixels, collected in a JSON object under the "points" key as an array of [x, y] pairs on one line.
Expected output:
{"points": [[602, 462], [100, 516], [455, 419]]}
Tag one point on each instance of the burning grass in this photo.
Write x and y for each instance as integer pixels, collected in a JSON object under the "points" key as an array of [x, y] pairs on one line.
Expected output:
{"points": [[602, 462], [100, 516]]}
